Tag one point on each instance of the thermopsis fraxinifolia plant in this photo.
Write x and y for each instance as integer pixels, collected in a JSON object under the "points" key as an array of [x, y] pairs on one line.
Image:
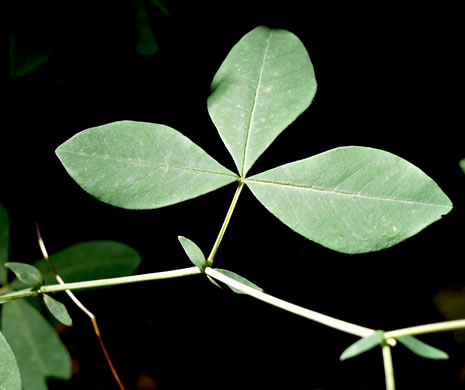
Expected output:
{"points": [[350, 199]]}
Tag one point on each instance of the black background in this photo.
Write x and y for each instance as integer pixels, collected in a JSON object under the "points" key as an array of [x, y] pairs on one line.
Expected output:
{"points": [[389, 76]]}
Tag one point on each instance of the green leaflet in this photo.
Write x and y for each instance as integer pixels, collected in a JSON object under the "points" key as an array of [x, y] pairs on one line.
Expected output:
{"points": [[27, 274], [9, 371], [37, 347], [363, 345], [422, 349], [194, 253], [58, 310], [4, 243], [264, 84], [352, 199], [237, 278], [88, 261], [138, 165]]}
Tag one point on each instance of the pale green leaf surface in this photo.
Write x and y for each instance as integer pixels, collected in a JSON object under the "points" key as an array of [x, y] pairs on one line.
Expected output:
{"points": [[90, 260], [264, 84], [352, 199], [193, 252], [26, 273], [137, 165], [363, 345], [239, 279], [39, 351], [58, 310], [10, 378], [4, 243], [422, 349]]}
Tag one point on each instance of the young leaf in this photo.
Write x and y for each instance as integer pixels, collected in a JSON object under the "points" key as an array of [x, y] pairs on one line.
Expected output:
{"points": [[58, 310], [263, 85], [10, 378], [4, 243], [239, 279], [352, 199], [194, 253], [37, 347], [422, 349], [27, 274], [90, 260], [363, 345], [214, 281], [138, 165]]}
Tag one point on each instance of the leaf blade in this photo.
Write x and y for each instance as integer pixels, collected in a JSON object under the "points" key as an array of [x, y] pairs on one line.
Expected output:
{"points": [[58, 310], [264, 84], [422, 349], [363, 345], [9, 371], [352, 199], [193, 252], [137, 165], [39, 351], [26, 273]]}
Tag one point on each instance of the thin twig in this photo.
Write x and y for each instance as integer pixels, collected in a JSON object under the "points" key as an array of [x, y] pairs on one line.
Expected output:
{"points": [[82, 307]]}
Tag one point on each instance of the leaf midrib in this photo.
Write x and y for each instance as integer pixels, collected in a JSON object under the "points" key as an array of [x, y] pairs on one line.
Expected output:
{"points": [[148, 163], [252, 111], [347, 194]]}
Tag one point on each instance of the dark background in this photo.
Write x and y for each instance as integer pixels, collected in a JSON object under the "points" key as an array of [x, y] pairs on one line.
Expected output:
{"points": [[389, 76]]}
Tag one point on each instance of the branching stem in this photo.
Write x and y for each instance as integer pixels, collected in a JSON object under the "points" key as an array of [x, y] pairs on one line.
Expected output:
{"points": [[301, 311]]}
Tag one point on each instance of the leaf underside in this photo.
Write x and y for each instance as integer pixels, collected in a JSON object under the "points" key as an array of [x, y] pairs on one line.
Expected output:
{"points": [[363, 345], [352, 199], [264, 84], [37, 347], [137, 165], [10, 378]]}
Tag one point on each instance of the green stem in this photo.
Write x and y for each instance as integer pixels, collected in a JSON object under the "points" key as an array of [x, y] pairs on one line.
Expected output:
{"points": [[290, 307], [225, 224], [388, 367], [427, 328], [28, 292], [102, 283]]}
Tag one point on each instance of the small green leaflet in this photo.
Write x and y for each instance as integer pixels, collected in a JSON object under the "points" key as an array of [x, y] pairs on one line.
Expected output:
{"points": [[58, 310], [4, 243], [264, 84], [237, 278], [422, 349], [39, 351], [363, 345], [138, 165], [10, 378], [26, 273], [193, 252], [352, 199]]}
